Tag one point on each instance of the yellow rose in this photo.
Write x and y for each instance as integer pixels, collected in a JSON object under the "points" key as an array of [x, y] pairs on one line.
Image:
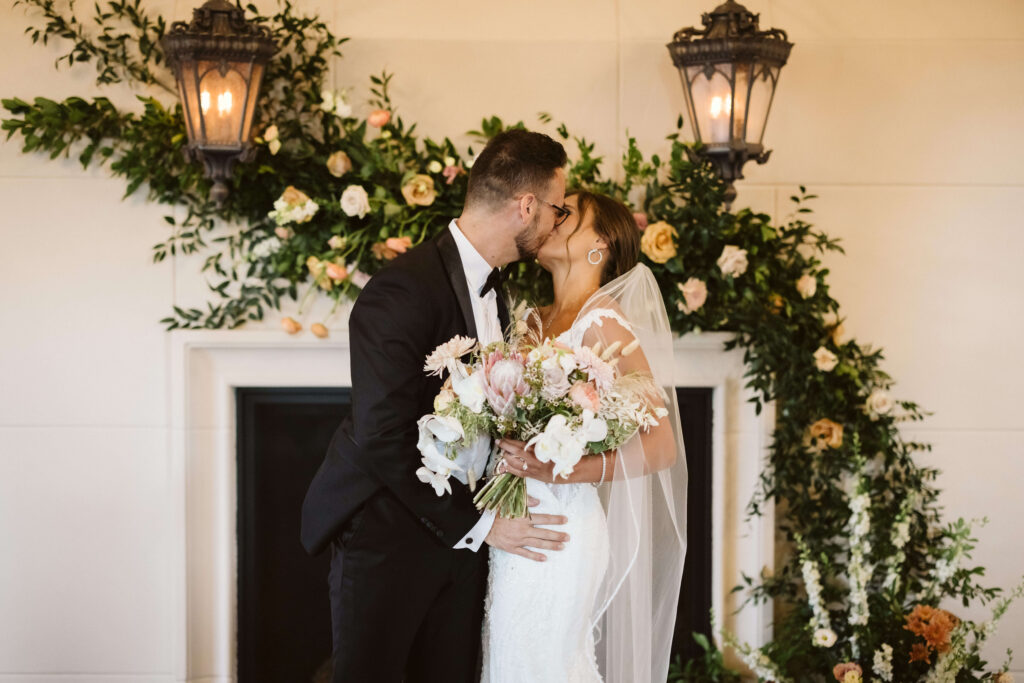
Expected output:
{"points": [[824, 434], [657, 242], [419, 191]]}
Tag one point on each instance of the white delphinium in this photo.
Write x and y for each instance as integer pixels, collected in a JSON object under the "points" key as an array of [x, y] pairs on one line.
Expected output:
{"points": [[812, 583], [882, 664], [859, 569], [900, 538]]}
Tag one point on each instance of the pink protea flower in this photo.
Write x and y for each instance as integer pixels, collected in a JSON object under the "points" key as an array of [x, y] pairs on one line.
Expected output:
{"points": [[503, 381]]}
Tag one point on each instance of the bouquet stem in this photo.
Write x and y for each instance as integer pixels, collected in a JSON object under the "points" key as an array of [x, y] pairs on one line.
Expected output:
{"points": [[506, 494]]}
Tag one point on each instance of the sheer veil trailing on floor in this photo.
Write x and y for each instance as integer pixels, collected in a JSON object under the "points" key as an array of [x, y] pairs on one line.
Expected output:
{"points": [[646, 499]]}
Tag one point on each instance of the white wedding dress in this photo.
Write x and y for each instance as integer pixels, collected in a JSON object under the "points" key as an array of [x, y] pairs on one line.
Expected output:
{"points": [[538, 615]]}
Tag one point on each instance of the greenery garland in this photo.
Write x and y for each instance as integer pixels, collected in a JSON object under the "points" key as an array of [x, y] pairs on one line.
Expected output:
{"points": [[333, 195]]}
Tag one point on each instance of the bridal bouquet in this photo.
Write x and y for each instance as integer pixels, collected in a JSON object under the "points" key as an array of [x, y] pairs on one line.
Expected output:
{"points": [[564, 402]]}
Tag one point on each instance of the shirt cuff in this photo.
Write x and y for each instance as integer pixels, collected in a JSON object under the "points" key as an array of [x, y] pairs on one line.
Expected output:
{"points": [[475, 538]]}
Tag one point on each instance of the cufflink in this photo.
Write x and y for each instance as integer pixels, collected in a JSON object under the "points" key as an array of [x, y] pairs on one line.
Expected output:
{"points": [[469, 541]]}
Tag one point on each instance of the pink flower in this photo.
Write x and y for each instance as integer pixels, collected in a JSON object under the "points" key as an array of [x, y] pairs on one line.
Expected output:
{"points": [[379, 118], [450, 173], [584, 394], [503, 381], [641, 220], [283, 232], [398, 244]]}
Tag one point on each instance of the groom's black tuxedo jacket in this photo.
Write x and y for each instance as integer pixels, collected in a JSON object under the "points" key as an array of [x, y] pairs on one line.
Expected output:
{"points": [[416, 302]]}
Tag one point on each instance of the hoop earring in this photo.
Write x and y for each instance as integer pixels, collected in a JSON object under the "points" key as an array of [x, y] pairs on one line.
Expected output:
{"points": [[600, 256]]}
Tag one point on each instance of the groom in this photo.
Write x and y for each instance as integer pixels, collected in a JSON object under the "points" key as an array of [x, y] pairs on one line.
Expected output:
{"points": [[408, 571]]}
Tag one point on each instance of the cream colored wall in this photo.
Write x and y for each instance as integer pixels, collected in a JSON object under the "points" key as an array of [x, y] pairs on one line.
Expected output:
{"points": [[903, 116]]}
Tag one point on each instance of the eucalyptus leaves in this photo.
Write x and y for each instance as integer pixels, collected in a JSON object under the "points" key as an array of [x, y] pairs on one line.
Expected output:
{"points": [[338, 188]]}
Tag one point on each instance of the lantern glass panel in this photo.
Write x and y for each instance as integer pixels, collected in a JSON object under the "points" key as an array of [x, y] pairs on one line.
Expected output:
{"points": [[222, 98], [255, 80], [189, 94], [761, 91], [711, 106], [741, 100]]}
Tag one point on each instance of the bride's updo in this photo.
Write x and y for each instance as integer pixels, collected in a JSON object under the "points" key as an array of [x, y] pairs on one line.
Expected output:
{"points": [[614, 223]]}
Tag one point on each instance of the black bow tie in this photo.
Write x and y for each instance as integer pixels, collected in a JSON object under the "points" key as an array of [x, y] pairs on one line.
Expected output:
{"points": [[494, 281]]}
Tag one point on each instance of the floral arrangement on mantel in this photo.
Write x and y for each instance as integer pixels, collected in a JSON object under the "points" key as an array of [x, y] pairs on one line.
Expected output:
{"points": [[338, 190]]}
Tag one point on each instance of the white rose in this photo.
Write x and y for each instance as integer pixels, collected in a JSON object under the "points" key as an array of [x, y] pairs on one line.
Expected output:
{"points": [[342, 108], [879, 403], [449, 161], [435, 166], [807, 285], [556, 380], [327, 103], [733, 261], [825, 360], [355, 201]]}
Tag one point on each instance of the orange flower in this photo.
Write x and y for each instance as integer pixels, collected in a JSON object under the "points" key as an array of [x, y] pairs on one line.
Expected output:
{"points": [[919, 653], [824, 434], [398, 244], [382, 252], [379, 118]]}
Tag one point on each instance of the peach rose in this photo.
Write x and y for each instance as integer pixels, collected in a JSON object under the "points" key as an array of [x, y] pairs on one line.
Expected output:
{"points": [[419, 191], [399, 245], [584, 394], [824, 434], [283, 232], [840, 670], [294, 197], [319, 330], [336, 272], [382, 252], [338, 164], [379, 118], [825, 360], [290, 325], [657, 242]]}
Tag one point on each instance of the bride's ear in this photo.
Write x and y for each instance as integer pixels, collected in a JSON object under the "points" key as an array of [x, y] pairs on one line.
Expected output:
{"points": [[600, 243]]}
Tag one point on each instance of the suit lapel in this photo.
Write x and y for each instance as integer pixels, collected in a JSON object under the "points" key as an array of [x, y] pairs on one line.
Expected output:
{"points": [[456, 277]]}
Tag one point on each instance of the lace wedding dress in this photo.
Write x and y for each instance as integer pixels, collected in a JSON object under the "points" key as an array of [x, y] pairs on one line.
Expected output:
{"points": [[538, 615]]}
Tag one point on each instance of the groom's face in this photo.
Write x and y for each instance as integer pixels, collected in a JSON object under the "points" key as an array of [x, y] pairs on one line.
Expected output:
{"points": [[533, 235]]}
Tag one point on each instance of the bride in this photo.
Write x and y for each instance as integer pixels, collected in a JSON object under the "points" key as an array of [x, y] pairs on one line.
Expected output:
{"points": [[602, 609]]}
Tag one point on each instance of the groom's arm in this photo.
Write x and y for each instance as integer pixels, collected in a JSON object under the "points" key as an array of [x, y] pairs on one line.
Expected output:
{"points": [[391, 331]]}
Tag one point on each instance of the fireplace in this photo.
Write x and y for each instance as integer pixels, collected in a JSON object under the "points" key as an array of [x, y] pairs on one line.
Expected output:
{"points": [[283, 622], [224, 614]]}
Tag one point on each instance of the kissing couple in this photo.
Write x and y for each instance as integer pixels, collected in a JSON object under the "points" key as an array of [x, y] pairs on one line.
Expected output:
{"points": [[425, 588]]}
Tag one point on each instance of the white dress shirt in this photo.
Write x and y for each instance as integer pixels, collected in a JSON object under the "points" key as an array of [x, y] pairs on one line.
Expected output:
{"points": [[488, 329]]}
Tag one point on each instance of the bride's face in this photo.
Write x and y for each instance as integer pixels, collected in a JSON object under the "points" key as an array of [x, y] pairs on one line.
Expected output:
{"points": [[569, 242]]}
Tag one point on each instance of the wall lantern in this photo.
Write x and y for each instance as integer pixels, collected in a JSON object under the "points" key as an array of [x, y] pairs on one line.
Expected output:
{"points": [[218, 61], [729, 70]]}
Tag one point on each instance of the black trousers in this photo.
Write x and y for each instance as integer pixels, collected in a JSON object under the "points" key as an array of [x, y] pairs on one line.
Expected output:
{"points": [[403, 606]]}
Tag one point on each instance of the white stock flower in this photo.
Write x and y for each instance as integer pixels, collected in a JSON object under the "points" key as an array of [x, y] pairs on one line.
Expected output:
{"points": [[355, 201], [825, 360], [824, 637], [807, 285], [733, 261]]}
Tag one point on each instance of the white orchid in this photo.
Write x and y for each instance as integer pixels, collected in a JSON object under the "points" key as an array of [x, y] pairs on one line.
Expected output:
{"points": [[435, 479], [435, 433], [472, 460], [469, 389], [594, 428]]}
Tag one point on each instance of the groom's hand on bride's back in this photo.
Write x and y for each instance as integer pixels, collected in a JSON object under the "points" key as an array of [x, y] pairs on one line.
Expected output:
{"points": [[511, 535]]}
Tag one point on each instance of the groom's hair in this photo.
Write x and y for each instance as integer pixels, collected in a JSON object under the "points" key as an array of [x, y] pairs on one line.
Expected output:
{"points": [[514, 162]]}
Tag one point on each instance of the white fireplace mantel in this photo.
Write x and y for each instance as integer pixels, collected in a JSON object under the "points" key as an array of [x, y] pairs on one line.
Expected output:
{"points": [[206, 368]]}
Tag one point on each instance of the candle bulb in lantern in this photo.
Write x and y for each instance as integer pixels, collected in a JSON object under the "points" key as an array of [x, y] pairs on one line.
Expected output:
{"points": [[720, 119]]}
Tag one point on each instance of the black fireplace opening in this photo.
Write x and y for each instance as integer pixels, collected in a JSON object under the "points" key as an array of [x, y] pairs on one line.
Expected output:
{"points": [[284, 625]]}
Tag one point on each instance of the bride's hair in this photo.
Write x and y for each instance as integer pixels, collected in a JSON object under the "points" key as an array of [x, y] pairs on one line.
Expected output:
{"points": [[614, 223]]}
